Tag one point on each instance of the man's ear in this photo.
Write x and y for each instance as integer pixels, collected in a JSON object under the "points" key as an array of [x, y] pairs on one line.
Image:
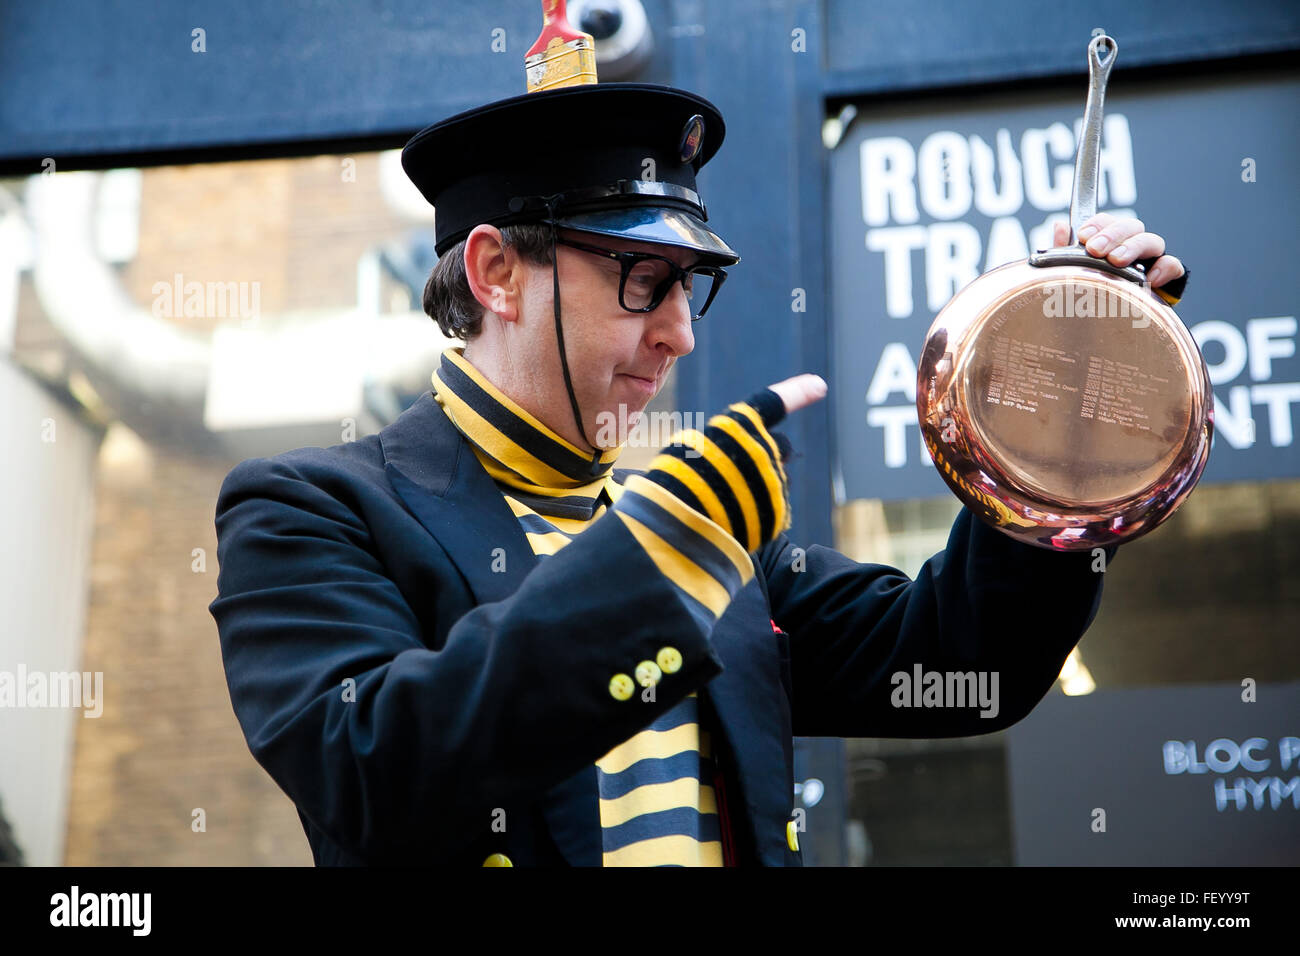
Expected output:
{"points": [[494, 272]]}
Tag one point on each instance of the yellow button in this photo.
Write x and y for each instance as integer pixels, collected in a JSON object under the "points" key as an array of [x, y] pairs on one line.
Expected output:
{"points": [[498, 859], [792, 835], [670, 659], [621, 687], [648, 673]]}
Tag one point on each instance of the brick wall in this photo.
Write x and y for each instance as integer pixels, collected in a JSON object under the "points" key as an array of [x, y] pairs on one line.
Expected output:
{"points": [[168, 741]]}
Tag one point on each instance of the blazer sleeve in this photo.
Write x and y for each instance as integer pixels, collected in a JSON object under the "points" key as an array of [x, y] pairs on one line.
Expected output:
{"points": [[986, 603], [396, 750]]}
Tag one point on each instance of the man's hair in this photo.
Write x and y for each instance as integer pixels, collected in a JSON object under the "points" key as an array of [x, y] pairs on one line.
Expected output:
{"points": [[447, 296]]}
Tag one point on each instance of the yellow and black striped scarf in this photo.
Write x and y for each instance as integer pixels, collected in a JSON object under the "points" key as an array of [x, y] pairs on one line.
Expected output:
{"points": [[658, 806], [542, 470]]}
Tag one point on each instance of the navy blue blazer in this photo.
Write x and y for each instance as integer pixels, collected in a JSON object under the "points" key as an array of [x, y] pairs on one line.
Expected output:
{"points": [[427, 691]]}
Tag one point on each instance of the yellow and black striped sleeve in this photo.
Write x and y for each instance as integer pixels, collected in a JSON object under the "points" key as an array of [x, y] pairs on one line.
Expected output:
{"points": [[1172, 291], [709, 500]]}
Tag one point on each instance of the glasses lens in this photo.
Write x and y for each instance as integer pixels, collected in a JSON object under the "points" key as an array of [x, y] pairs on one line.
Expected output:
{"points": [[643, 279], [649, 281], [699, 290]]}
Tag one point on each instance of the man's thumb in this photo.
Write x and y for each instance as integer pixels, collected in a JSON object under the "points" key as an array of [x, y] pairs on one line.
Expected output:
{"points": [[800, 391]]}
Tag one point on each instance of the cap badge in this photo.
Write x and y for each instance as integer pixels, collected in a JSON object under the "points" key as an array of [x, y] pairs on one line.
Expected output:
{"points": [[692, 138]]}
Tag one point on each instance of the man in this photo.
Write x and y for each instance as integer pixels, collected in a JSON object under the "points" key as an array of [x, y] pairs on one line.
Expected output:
{"points": [[470, 640]]}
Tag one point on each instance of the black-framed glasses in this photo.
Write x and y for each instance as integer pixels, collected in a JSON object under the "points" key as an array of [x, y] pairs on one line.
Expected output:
{"points": [[647, 279]]}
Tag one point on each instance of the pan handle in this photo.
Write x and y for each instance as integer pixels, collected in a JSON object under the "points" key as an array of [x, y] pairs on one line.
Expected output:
{"points": [[1083, 198]]}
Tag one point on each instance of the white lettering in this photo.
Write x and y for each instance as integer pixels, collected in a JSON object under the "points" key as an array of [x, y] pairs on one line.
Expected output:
{"points": [[1006, 243], [102, 909], [989, 200], [894, 421], [897, 243], [1234, 349], [1048, 189], [952, 258], [895, 372], [1269, 338], [888, 166], [1278, 397], [1234, 422], [943, 172]]}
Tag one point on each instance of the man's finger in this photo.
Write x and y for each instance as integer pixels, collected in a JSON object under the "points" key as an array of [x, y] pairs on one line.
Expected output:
{"points": [[1165, 269], [800, 391], [1090, 227]]}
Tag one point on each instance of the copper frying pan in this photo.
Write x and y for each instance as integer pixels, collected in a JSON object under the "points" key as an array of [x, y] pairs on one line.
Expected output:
{"points": [[1062, 400]]}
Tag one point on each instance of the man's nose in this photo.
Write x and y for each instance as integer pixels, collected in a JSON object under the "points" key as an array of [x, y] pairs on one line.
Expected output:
{"points": [[672, 322]]}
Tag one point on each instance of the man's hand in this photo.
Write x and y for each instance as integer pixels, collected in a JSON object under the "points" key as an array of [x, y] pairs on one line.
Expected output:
{"points": [[763, 493], [1121, 242]]}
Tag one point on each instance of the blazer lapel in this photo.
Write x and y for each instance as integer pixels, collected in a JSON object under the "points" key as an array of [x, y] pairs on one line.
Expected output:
{"points": [[431, 465]]}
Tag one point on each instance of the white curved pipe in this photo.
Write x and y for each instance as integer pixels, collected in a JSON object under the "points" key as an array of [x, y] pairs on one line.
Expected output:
{"points": [[84, 300], [158, 359]]}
